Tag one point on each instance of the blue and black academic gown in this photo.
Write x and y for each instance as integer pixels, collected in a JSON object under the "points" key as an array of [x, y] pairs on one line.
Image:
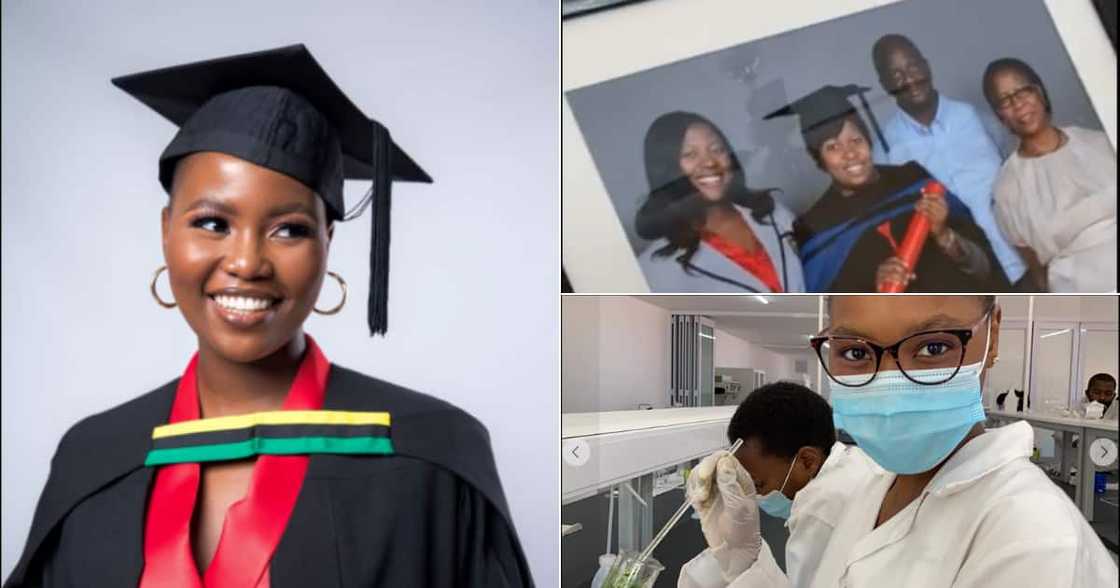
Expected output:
{"points": [[841, 244], [430, 514]]}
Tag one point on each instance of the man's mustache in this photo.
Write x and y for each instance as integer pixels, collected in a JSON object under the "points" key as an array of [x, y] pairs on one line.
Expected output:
{"points": [[908, 86]]}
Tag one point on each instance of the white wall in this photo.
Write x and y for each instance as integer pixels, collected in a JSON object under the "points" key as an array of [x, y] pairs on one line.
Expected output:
{"points": [[1007, 374], [469, 89], [579, 353], [634, 354], [615, 354], [733, 352]]}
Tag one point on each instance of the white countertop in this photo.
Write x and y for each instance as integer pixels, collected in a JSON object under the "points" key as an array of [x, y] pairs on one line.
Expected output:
{"points": [[1072, 421], [617, 446], [583, 424]]}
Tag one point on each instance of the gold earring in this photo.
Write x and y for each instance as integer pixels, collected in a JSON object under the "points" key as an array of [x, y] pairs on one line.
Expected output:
{"points": [[155, 294], [342, 285]]}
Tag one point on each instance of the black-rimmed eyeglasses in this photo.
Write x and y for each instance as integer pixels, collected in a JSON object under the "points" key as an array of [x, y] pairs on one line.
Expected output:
{"points": [[927, 357]]}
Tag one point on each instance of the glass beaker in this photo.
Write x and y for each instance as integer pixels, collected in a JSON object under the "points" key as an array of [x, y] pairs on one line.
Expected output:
{"points": [[628, 572]]}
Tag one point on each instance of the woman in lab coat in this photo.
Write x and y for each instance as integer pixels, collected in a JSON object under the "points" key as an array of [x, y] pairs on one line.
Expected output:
{"points": [[711, 233], [957, 505]]}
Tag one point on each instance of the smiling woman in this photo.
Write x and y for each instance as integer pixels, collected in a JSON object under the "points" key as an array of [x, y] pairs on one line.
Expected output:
{"points": [[1055, 196], [265, 464], [711, 232]]}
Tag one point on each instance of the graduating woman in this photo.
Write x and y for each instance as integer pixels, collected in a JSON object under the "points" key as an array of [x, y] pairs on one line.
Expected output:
{"points": [[849, 240], [1055, 196], [711, 232], [264, 464]]}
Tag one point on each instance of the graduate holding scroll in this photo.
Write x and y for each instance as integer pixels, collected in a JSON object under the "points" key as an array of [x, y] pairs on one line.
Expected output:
{"points": [[849, 240]]}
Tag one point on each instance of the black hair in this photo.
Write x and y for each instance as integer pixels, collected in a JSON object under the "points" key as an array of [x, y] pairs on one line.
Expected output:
{"points": [[889, 42], [1101, 377], [673, 209], [1017, 66], [815, 137], [783, 417]]}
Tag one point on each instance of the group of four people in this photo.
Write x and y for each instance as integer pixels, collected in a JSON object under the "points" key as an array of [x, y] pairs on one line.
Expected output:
{"points": [[1044, 219]]}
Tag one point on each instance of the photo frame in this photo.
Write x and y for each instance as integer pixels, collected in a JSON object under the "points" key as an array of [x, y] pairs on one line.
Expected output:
{"points": [[574, 8], [597, 252]]}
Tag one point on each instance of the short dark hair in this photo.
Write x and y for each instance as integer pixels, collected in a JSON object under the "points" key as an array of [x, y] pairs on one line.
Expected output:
{"points": [[783, 417], [816, 136], [888, 43], [1017, 66], [1101, 377]]}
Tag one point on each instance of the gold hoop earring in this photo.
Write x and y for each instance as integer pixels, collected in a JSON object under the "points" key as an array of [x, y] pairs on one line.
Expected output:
{"points": [[155, 294], [342, 285]]}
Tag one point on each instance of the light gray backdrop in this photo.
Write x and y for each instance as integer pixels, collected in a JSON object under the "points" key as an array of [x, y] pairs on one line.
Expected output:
{"points": [[468, 88], [736, 87]]}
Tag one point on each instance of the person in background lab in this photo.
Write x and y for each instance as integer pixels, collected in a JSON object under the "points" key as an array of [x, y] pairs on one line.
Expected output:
{"points": [[945, 136], [958, 506], [1056, 194], [1101, 391], [797, 470]]}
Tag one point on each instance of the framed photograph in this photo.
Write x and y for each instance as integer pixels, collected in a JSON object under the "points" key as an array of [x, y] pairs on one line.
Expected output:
{"points": [[572, 8], [737, 64]]}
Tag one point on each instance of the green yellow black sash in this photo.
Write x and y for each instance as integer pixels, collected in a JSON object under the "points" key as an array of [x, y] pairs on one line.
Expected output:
{"points": [[282, 432]]}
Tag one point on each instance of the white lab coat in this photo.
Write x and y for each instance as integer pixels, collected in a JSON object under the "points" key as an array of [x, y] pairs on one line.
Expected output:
{"points": [[664, 274], [989, 518], [816, 510]]}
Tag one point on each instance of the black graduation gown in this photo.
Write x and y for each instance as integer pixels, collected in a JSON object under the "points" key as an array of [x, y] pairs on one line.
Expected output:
{"points": [[936, 271], [433, 514]]}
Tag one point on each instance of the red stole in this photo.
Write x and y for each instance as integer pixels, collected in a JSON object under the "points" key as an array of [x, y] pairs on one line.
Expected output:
{"points": [[253, 525]]}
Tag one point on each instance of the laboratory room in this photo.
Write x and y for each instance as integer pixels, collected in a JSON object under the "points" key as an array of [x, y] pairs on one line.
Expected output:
{"points": [[856, 440]]}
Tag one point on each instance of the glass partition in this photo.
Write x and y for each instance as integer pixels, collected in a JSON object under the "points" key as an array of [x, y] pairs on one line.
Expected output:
{"points": [[1052, 366]]}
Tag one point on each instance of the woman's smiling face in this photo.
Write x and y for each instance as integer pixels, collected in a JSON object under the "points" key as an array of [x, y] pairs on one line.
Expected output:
{"points": [[246, 251], [847, 157], [706, 162], [1022, 108]]}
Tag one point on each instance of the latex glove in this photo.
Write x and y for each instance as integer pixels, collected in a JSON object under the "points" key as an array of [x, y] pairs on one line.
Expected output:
{"points": [[723, 493], [701, 484]]}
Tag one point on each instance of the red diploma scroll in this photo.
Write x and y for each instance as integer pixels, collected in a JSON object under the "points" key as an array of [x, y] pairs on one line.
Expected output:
{"points": [[915, 239]]}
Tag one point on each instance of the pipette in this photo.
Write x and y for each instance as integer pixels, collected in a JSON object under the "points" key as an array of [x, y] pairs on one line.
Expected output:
{"points": [[673, 520]]}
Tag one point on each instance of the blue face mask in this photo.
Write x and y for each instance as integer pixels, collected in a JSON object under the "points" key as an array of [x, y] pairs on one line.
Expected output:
{"points": [[775, 503], [908, 428]]}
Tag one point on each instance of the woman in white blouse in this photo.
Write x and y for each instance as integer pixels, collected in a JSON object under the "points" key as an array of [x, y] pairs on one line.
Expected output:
{"points": [[1055, 197]]}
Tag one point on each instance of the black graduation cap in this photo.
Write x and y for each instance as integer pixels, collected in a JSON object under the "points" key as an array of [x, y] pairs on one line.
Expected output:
{"points": [[826, 104], [279, 109]]}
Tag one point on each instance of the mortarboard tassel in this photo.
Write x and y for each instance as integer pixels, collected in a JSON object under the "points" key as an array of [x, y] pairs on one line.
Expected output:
{"points": [[378, 303], [871, 117]]}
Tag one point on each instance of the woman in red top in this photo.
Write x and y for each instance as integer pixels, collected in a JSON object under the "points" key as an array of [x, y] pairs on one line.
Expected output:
{"points": [[711, 232]]}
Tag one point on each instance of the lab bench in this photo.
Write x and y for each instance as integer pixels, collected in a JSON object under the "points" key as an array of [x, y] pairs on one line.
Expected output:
{"points": [[1083, 493]]}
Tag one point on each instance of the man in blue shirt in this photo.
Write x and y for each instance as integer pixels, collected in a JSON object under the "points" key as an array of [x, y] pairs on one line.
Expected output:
{"points": [[945, 136]]}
